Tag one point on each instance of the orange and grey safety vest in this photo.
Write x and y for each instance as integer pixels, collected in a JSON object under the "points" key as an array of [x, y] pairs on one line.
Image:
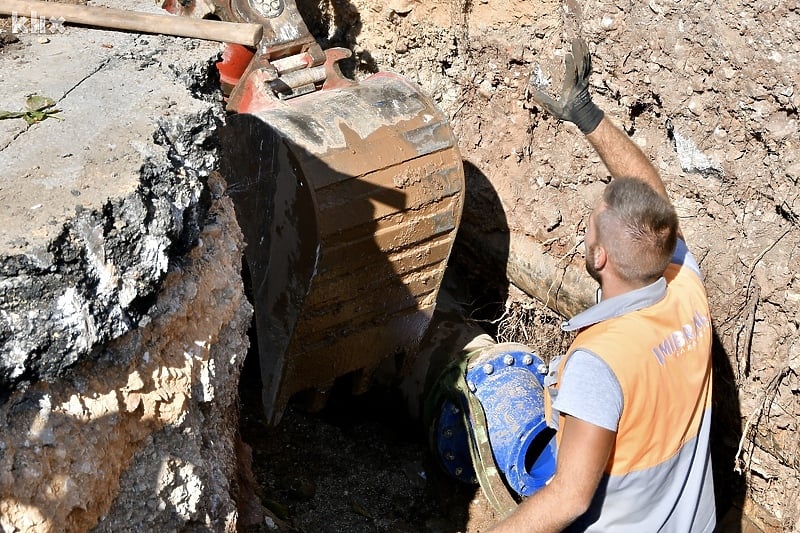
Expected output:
{"points": [[658, 477]]}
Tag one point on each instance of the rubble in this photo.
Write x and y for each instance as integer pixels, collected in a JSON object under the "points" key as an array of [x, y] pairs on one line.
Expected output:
{"points": [[122, 312]]}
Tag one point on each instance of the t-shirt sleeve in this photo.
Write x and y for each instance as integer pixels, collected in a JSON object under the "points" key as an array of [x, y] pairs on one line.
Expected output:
{"points": [[682, 256], [589, 390]]}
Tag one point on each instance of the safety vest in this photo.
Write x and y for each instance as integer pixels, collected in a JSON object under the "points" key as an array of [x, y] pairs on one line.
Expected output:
{"points": [[659, 473]]}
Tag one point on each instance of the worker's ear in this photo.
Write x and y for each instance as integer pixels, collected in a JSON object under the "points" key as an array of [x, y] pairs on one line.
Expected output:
{"points": [[599, 257]]}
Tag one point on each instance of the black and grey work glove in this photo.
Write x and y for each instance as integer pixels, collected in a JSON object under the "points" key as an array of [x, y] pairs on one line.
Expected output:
{"points": [[576, 104]]}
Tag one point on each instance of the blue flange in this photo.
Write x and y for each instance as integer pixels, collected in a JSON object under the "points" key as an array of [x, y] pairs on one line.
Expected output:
{"points": [[508, 380], [452, 443]]}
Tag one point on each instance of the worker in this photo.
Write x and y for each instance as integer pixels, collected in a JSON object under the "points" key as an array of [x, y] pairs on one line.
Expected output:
{"points": [[632, 396]]}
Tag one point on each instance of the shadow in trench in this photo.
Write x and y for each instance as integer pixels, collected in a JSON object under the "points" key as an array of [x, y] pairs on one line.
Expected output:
{"points": [[344, 253], [362, 463], [725, 434], [480, 251]]}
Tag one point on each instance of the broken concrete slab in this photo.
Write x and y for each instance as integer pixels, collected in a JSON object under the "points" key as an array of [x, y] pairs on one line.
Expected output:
{"points": [[122, 312], [98, 202]]}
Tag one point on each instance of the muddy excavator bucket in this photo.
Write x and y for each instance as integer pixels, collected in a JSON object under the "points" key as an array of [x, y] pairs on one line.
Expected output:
{"points": [[349, 195], [349, 200]]}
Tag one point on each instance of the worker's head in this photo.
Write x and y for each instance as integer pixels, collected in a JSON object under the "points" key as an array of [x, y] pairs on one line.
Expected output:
{"points": [[632, 233]]}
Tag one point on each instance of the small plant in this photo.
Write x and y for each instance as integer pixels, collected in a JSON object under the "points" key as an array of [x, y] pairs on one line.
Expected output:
{"points": [[37, 109]]}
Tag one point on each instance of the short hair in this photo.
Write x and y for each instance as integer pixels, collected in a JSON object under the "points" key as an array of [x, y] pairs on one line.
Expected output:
{"points": [[638, 228]]}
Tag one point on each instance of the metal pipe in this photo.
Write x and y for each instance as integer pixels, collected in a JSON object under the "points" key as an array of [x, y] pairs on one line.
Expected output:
{"points": [[484, 407], [508, 379]]}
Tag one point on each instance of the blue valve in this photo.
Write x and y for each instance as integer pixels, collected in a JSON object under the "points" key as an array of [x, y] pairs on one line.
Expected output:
{"points": [[510, 387], [508, 381]]}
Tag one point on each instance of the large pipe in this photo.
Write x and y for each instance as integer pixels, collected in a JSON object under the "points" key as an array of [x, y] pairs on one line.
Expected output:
{"points": [[483, 407], [508, 380], [555, 281]]}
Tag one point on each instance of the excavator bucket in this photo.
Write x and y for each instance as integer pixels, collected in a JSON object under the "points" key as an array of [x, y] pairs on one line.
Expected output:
{"points": [[349, 195], [349, 200]]}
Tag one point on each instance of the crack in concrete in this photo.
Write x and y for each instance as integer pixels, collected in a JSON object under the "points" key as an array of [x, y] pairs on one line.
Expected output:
{"points": [[80, 82], [100, 67], [14, 138]]}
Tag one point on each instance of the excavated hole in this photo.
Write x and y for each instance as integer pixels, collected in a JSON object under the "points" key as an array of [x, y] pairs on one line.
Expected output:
{"points": [[355, 466], [361, 463], [529, 175]]}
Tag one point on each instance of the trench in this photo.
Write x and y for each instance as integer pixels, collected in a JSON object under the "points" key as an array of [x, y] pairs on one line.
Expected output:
{"points": [[344, 462], [361, 462]]}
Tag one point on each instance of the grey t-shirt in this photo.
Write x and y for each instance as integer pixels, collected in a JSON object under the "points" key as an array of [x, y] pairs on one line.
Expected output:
{"points": [[590, 391]]}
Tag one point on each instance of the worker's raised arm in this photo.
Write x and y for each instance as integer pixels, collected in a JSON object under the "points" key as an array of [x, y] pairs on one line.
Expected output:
{"points": [[621, 155]]}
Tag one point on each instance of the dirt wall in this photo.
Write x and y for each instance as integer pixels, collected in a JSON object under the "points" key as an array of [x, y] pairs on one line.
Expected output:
{"points": [[123, 321], [145, 434]]}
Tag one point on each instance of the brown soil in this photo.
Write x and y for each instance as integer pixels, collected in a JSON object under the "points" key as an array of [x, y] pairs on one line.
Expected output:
{"points": [[710, 92], [359, 465]]}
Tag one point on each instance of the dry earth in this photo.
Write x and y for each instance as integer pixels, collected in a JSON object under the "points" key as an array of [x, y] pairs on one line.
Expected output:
{"points": [[710, 91]]}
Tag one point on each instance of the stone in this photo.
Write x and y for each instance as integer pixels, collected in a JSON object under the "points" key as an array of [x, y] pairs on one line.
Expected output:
{"points": [[780, 126], [401, 7]]}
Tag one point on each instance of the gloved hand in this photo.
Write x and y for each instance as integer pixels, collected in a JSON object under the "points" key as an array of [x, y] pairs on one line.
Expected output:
{"points": [[576, 104]]}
